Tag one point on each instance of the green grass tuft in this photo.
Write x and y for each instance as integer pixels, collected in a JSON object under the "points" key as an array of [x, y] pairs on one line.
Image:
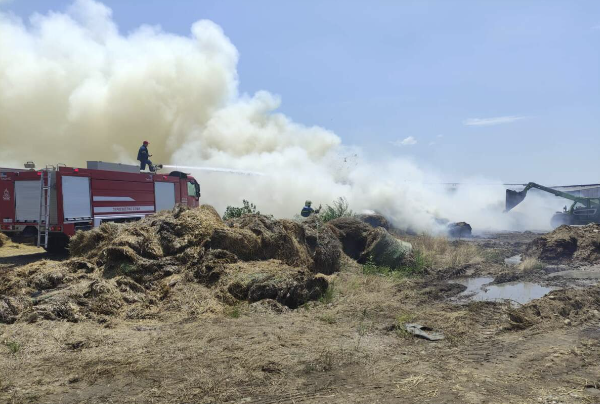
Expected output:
{"points": [[233, 312], [13, 347], [329, 294], [415, 266]]}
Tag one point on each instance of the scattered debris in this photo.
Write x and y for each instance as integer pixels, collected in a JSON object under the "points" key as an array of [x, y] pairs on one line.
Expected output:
{"points": [[424, 332], [460, 230], [567, 244]]}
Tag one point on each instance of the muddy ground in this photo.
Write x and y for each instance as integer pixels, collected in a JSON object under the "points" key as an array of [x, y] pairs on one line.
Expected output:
{"points": [[347, 347]]}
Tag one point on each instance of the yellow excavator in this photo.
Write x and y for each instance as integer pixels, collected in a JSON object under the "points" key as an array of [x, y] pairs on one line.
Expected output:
{"points": [[582, 210]]}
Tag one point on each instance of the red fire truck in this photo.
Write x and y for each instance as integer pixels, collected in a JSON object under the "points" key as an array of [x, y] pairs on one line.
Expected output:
{"points": [[53, 203]]}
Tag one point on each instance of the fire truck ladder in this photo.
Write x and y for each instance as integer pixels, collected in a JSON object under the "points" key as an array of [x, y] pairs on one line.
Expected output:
{"points": [[45, 191]]}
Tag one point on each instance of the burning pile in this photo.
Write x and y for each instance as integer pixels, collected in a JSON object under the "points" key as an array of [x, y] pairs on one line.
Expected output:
{"points": [[189, 262], [187, 259]]}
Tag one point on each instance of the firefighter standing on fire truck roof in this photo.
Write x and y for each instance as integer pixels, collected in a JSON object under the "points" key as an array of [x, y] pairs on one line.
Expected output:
{"points": [[143, 157]]}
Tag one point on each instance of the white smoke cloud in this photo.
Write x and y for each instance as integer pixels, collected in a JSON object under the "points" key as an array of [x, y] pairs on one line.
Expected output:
{"points": [[72, 88]]}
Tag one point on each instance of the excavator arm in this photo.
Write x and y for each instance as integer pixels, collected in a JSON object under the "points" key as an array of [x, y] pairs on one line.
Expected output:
{"points": [[513, 198]]}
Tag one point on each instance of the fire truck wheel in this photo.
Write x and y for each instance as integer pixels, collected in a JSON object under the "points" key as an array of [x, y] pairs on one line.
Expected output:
{"points": [[57, 244]]}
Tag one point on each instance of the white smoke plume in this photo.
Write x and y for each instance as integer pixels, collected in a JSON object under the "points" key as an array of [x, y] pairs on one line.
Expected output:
{"points": [[73, 88]]}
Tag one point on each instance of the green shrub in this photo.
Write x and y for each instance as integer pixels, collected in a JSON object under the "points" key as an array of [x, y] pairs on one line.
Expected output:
{"points": [[248, 209], [340, 208]]}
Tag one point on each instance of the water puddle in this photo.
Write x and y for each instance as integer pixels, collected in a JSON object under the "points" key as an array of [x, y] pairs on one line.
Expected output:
{"points": [[514, 260], [478, 289]]}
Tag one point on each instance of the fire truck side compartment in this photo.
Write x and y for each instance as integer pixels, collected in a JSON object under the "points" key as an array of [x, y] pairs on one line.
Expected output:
{"points": [[27, 201], [76, 198], [165, 195]]}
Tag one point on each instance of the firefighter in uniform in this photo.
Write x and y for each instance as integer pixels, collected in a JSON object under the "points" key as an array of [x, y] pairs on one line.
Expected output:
{"points": [[144, 157], [307, 210]]}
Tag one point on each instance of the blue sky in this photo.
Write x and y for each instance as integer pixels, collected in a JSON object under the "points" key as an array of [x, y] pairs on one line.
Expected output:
{"points": [[509, 90]]}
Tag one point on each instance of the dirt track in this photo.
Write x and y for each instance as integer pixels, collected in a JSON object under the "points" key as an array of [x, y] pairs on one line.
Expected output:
{"points": [[345, 348]]}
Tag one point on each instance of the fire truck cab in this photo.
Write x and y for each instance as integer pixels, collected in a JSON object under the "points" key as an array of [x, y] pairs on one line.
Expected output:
{"points": [[53, 203]]}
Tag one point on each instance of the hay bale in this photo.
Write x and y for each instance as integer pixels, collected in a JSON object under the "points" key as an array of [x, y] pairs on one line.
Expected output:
{"points": [[362, 243], [386, 250], [459, 230], [353, 234], [3, 239], [375, 220]]}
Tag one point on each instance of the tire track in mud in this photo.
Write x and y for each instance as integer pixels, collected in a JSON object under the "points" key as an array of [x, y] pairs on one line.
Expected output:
{"points": [[330, 388], [488, 348], [291, 397]]}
